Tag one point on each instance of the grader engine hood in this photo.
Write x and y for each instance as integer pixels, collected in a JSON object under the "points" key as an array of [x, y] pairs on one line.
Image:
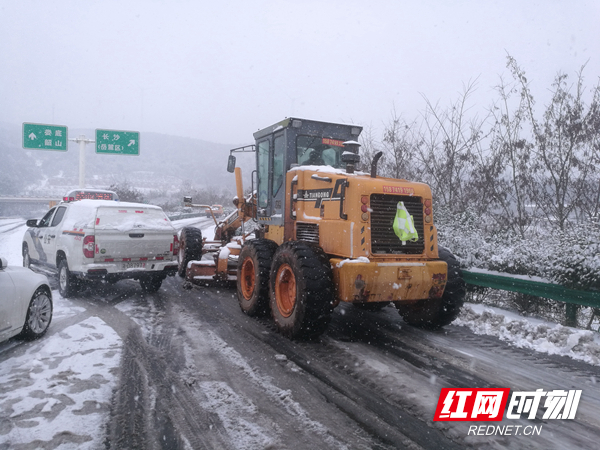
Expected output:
{"points": [[354, 215]]}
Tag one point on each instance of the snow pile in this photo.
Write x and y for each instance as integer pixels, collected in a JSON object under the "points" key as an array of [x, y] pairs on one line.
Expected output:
{"points": [[360, 259], [533, 334]]}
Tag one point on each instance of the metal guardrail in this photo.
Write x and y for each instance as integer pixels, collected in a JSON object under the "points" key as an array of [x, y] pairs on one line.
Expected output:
{"points": [[185, 216], [530, 287], [10, 199]]}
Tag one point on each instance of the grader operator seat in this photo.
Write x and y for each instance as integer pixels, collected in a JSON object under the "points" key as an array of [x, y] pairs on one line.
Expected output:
{"points": [[315, 158]]}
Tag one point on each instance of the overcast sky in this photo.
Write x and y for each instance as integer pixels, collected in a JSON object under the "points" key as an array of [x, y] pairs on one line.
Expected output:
{"points": [[220, 70]]}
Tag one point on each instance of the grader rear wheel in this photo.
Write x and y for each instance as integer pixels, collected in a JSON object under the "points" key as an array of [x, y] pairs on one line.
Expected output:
{"points": [[254, 265], [436, 313], [301, 290]]}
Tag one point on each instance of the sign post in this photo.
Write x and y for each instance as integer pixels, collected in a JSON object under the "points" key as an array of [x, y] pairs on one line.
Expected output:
{"points": [[81, 140], [114, 142], [39, 136]]}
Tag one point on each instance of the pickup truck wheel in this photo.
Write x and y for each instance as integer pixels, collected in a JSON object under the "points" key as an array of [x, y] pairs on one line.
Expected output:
{"points": [[438, 312], [151, 284], [39, 315], [301, 291], [67, 283], [254, 266], [26, 257], [190, 248]]}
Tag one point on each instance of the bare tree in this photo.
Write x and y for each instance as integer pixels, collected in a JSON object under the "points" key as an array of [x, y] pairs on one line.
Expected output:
{"points": [[449, 145], [590, 204], [565, 147], [401, 141], [504, 171], [368, 148]]}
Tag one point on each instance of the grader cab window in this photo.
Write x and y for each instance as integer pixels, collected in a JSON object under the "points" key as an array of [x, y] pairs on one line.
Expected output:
{"points": [[263, 173], [278, 160], [319, 151]]}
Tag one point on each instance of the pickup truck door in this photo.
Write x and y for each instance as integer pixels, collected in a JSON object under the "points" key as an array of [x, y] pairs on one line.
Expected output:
{"points": [[50, 234], [37, 236]]}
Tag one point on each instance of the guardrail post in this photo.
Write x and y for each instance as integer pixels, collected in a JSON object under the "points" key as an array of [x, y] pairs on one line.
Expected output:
{"points": [[571, 315]]}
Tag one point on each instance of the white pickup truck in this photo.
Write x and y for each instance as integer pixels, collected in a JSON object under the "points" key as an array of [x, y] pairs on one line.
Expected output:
{"points": [[100, 239]]}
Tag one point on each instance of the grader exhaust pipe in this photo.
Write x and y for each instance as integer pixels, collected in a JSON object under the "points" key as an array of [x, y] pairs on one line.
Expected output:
{"points": [[374, 164]]}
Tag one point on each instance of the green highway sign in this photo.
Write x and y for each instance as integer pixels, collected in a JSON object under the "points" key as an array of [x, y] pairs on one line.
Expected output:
{"points": [[39, 136], [114, 142]]}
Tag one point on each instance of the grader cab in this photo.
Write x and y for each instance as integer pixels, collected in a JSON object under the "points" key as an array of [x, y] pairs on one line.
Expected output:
{"points": [[326, 233]]}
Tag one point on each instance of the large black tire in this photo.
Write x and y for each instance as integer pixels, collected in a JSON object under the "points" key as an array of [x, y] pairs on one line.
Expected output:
{"points": [[68, 285], [254, 267], [190, 248], [435, 313], [301, 293], [371, 306], [39, 315], [151, 283]]}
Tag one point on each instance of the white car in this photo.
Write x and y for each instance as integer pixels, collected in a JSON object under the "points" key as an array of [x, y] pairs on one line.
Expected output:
{"points": [[25, 302]]}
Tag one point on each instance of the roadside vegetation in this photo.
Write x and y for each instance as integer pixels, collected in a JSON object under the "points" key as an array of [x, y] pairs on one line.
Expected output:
{"points": [[516, 185]]}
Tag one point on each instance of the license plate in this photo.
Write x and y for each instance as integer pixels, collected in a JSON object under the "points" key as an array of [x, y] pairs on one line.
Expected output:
{"points": [[133, 265]]}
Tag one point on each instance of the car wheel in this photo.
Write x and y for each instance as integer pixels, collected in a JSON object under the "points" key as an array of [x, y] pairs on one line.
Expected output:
{"points": [[39, 315], [67, 283], [151, 284], [26, 257]]}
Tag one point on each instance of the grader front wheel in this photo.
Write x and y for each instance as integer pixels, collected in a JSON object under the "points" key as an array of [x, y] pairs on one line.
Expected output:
{"points": [[301, 290]]}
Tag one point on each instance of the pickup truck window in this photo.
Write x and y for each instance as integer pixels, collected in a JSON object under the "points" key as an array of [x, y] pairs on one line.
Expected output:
{"points": [[131, 218], [46, 219], [60, 213]]}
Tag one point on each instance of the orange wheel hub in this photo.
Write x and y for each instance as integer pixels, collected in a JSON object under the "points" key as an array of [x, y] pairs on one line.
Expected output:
{"points": [[285, 290], [248, 278]]}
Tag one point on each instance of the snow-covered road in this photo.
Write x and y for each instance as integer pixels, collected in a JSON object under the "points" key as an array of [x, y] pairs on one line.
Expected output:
{"points": [[120, 369]]}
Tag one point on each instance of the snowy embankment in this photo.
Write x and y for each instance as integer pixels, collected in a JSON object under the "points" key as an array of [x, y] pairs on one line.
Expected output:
{"points": [[530, 333], [56, 391]]}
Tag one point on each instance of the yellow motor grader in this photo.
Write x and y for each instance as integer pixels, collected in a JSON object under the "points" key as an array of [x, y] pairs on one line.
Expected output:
{"points": [[325, 233]]}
